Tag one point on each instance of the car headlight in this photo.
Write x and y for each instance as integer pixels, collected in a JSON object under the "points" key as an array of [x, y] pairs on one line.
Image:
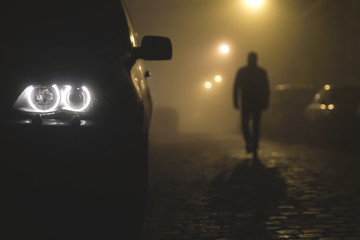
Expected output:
{"points": [[50, 98], [76, 99], [43, 98]]}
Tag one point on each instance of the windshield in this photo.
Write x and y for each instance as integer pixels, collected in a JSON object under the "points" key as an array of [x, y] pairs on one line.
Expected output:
{"points": [[39, 32]]}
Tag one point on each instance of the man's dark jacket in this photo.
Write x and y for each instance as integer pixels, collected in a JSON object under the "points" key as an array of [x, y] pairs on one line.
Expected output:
{"points": [[252, 85]]}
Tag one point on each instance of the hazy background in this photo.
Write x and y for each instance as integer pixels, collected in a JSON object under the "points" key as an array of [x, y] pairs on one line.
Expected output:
{"points": [[300, 42]]}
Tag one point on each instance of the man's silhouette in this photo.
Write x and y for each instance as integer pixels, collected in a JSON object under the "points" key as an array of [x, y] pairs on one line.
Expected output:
{"points": [[251, 96]]}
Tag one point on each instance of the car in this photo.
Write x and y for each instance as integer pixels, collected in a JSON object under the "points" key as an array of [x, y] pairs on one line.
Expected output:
{"points": [[334, 112], [284, 119], [76, 112]]}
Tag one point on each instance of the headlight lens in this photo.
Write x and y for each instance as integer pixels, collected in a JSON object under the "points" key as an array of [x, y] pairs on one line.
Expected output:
{"points": [[76, 99], [43, 98], [50, 98]]}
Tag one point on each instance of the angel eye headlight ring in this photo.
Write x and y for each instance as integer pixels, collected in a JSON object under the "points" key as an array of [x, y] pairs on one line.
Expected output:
{"points": [[43, 98], [76, 99], [51, 98]]}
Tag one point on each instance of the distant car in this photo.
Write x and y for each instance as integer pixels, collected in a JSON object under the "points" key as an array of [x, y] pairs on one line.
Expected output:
{"points": [[74, 98], [335, 110], [284, 119]]}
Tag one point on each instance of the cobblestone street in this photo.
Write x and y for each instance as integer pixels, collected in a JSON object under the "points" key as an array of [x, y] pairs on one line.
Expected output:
{"points": [[207, 189]]}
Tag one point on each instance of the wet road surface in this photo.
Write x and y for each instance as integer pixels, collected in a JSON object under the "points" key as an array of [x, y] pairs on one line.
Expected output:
{"points": [[208, 188]]}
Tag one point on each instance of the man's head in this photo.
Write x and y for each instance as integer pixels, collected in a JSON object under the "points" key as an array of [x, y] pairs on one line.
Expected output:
{"points": [[252, 59]]}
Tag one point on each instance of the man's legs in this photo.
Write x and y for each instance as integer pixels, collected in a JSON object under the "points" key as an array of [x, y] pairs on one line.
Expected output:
{"points": [[256, 118], [245, 125]]}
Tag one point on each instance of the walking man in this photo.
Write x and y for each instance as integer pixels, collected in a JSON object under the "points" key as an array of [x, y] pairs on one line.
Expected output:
{"points": [[251, 96]]}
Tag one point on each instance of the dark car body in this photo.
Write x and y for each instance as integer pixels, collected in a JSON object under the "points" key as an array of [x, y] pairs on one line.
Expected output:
{"points": [[284, 119], [334, 112], [76, 110]]}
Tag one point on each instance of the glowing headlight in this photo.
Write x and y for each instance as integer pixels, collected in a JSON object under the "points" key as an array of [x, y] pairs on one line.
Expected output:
{"points": [[50, 98], [76, 99], [43, 98]]}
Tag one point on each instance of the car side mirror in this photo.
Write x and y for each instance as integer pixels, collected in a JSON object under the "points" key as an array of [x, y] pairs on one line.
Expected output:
{"points": [[154, 48]]}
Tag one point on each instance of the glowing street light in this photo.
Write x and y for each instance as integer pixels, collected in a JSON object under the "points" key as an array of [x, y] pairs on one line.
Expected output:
{"points": [[208, 85], [224, 49], [254, 3], [218, 78]]}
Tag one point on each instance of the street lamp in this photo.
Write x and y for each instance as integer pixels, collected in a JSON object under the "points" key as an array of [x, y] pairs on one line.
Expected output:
{"points": [[208, 85], [224, 49], [254, 3], [218, 78]]}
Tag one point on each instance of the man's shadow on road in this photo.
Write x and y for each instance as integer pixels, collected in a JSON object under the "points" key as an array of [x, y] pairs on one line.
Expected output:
{"points": [[245, 198]]}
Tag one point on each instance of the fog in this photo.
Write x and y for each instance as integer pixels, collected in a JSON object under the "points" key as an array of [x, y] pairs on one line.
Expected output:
{"points": [[299, 43]]}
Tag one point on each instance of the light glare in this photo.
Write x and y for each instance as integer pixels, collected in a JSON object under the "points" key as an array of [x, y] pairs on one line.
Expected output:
{"points": [[224, 49], [254, 3], [208, 85], [218, 79]]}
